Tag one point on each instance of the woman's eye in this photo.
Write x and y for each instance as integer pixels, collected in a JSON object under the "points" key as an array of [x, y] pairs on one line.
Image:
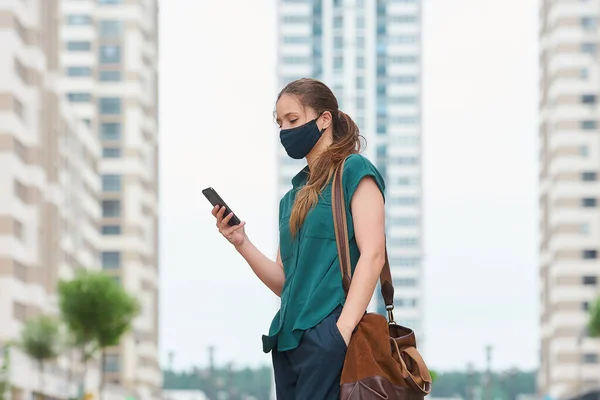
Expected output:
{"points": [[293, 121]]}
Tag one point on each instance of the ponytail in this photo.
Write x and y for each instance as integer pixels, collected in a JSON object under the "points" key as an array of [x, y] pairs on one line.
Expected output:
{"points": [[346, 141]]}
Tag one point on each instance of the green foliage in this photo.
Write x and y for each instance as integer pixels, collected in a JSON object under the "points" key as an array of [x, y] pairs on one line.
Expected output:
{"points": [[239, 383], [96, 309], [433, 375], [505, 385], [40, 338], [4, 382], [594, 322]]}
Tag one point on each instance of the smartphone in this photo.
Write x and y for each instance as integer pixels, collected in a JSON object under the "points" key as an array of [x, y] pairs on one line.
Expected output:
{"points": [[216, 200]]}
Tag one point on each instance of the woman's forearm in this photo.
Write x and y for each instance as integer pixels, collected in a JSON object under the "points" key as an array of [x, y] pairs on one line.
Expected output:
{"points": [[364, 281], [267, 270]]}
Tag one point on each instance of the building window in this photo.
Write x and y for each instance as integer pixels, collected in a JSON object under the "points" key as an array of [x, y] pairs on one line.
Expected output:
{"points": [[588, 99], [111, 208], [110, 131], [19, 311], [406, 160], [79, 97], [360, 62], [405, 261], [589, 125], [338, 42], [111, 259], [589, 48], [590, 358], [403, 59], [404, 201], [360, 82], [590, 254], [589, 176], [403, 39], [296, 19], [402, 19], [111, 28], [18, 108], [403, 242], [19, 230], [110, 106], [584, 229], [584, 73], [360, 42], [402, 120], [404, 221], [79, 46], [404, 282], [402, 79], [403, 100], [360, 103], [110, 76], [79, 19], [110, 54], [589, 202], [408, 141], [296, 60], [589, 23], [584, 151], [111, 183], [338, 62], [407, 180], [585, 306], [78, 72], [590, 280], [406, 302], [338, 21], [111, 152], [105, 2], [296, 39], [111, 230]]}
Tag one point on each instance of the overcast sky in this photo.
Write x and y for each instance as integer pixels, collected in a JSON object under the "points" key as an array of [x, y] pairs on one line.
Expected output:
{"points": [[218, 86]]}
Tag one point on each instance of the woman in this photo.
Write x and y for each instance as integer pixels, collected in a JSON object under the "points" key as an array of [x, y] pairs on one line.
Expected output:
{"points": [[310, 333]]}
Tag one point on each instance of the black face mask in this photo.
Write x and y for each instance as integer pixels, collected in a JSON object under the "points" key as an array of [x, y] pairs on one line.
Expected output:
{"points": [[299, 141]]}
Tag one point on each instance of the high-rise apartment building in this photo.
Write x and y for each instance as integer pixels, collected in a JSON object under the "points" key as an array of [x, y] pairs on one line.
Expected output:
{"points": [[109, 63], [369, 54], [49, 187], [569, 194]]}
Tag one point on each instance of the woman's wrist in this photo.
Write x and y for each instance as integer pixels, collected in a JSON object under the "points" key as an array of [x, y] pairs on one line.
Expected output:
{"points": [[244, 245]]}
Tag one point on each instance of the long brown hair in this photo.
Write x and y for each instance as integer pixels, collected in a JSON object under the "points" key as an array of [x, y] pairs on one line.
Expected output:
{"points": [[314, 94]]}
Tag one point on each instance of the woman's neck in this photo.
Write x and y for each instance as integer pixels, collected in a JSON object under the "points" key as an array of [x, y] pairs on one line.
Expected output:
{"points": [[319, 149]]}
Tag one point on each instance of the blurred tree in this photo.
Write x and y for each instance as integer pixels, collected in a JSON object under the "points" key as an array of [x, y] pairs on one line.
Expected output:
{"points": [[594, 322], [4, 371], [97, 312], [40, 340], [433, 375]]}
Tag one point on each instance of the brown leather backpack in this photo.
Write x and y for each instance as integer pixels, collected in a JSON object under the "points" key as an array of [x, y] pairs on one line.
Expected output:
{"points": [[382, 361]]}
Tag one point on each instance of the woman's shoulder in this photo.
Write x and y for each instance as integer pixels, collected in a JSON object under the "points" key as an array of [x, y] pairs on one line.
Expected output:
{"points": [[358, 163], [357, 167]]}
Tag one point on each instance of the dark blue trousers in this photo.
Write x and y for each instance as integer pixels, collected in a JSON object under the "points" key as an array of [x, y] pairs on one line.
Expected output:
{"points": [[312, 371]]}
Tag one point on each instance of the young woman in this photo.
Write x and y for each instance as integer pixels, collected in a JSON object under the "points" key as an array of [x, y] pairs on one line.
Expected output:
{"points": [[310, 333]]}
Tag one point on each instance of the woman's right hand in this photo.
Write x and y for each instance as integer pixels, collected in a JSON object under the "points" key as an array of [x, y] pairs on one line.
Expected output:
{"points": [[236, 234]]}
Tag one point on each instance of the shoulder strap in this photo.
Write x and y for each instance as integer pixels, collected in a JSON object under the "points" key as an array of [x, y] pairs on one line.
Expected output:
{"points": [[338, 206]]}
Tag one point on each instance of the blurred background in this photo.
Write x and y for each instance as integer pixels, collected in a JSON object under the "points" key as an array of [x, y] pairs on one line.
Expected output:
{"points": [[114, 115]]}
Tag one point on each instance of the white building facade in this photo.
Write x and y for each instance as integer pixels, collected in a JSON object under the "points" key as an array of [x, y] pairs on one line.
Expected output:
{"points": [[49, 195], [109, 62], [569, 193]]}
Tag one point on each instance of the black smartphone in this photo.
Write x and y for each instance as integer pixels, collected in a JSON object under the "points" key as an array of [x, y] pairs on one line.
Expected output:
{"points": [[216, 200]]}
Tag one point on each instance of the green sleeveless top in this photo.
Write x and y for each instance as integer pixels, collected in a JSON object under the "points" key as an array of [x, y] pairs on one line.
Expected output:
{"points": [[313, 283]]}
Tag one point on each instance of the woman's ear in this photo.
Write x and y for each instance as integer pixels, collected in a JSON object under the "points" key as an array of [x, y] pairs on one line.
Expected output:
{"points": [[326, 119]]}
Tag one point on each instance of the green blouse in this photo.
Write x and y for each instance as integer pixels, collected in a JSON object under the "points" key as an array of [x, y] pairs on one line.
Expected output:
{"points": [[313, 283]]}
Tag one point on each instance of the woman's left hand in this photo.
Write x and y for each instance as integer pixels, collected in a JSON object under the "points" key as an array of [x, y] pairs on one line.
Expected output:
{"points": [[346, 332]]}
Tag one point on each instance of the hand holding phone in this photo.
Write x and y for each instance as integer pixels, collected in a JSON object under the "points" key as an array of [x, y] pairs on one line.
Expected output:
{"points": [[228, 223]]}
